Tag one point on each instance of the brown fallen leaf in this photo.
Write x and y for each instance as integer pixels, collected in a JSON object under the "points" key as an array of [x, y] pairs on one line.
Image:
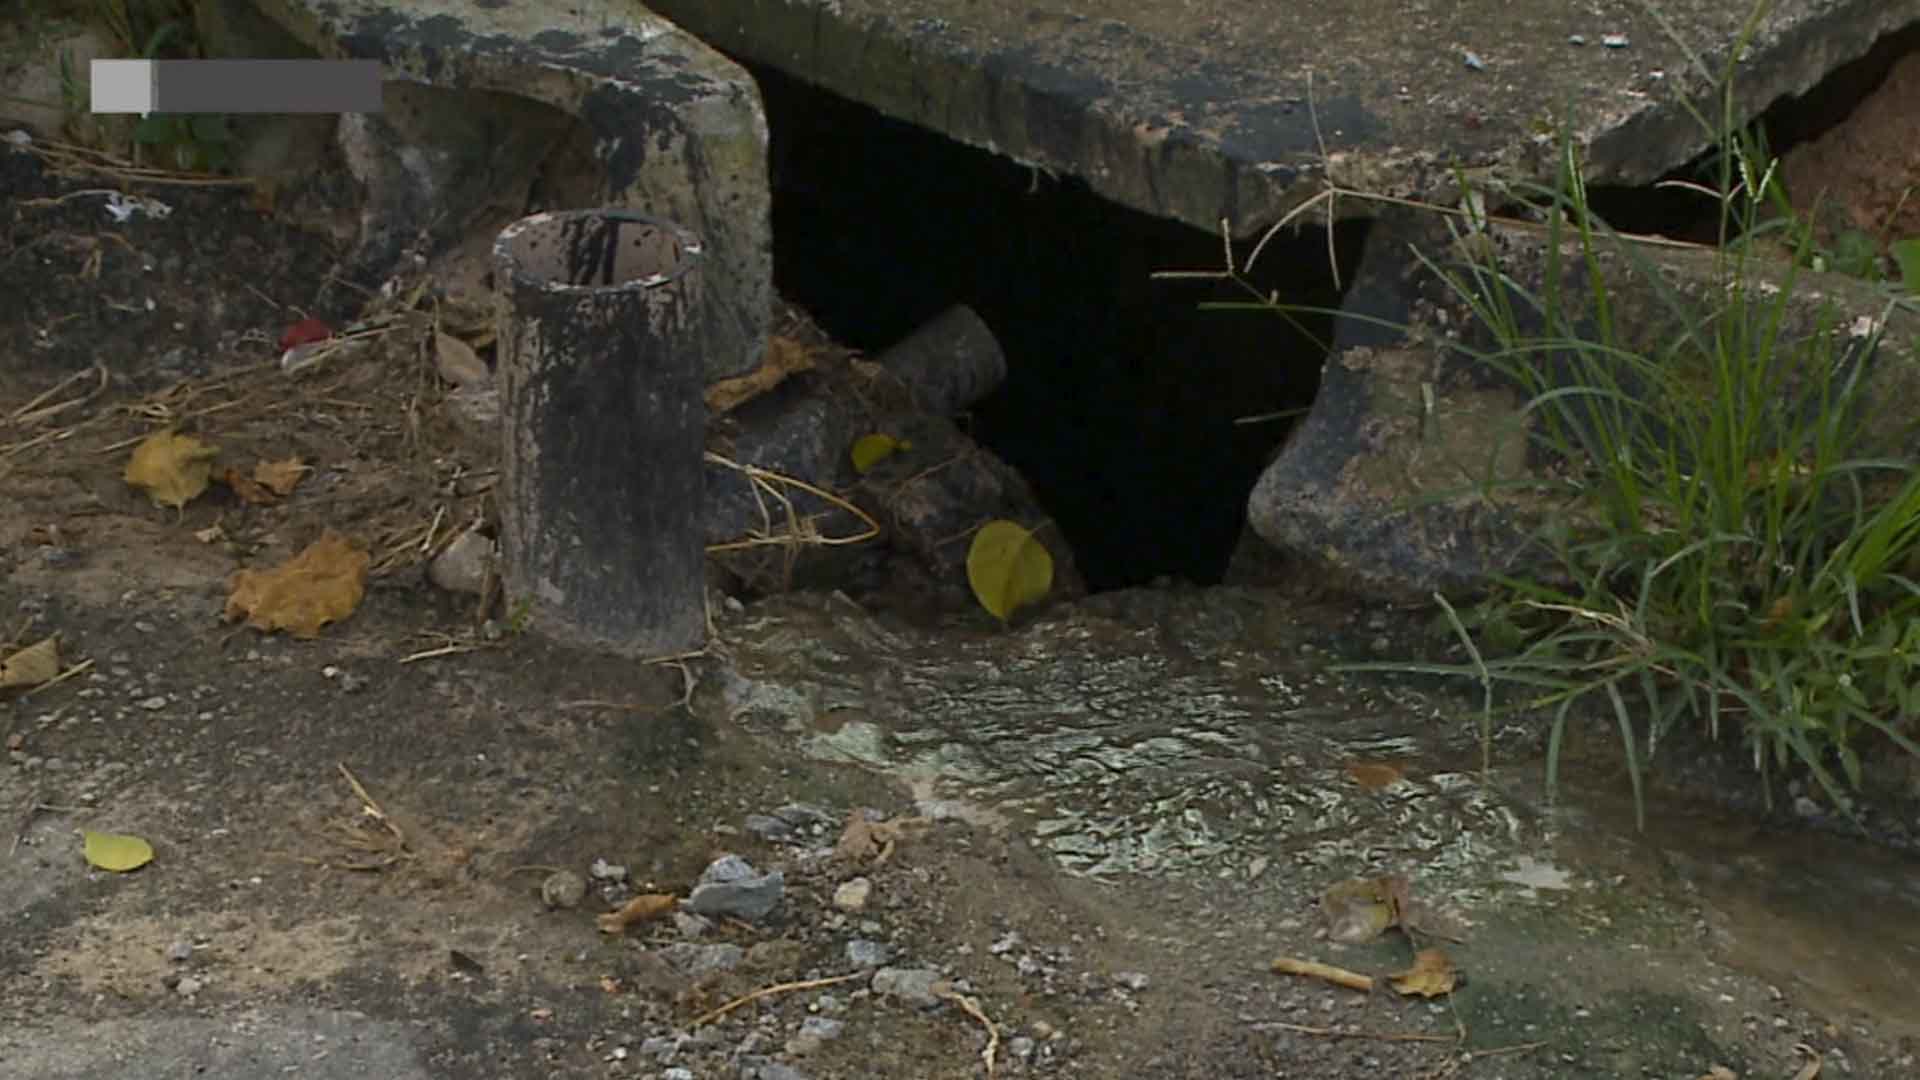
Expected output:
{"points": [[864, 840], [1361, 909], [320, 585], [785, 356], [1374, 776], [1431, 975], [172, 469], [281, 477], [643, 908], [34, 665], [250, 491]]}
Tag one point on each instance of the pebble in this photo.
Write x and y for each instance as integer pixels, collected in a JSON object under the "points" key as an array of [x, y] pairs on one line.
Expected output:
{"points": [[852, 895], [912, 985], [1020, 1049], [862, 953], [563, 889], [154, 703], [699, 960], [1133, 980], [730, 888], [602, 870], [189, 985], [180, 952]]}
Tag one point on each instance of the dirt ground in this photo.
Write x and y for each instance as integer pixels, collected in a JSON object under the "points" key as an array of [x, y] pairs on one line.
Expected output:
{"points": [[283, 928]]}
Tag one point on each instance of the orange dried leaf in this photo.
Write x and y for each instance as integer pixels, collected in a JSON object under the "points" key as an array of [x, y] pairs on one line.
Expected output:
{"points": [[246, 488], [320, 585], [643, 908], [281, 477]]}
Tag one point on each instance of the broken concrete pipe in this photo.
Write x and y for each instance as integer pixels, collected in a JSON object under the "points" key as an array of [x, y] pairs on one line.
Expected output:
{"points": [[601, 350]]}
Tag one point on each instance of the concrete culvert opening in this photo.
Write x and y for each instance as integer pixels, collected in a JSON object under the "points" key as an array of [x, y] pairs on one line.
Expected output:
{"points": [[1127, 408]]}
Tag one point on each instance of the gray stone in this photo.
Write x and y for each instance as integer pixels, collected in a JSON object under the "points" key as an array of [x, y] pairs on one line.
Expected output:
{"points": [[461, 566], [862, 953], [731, 888], [493, 107], [563, 889], [1219, 108], [916, 986], [700, 960]]}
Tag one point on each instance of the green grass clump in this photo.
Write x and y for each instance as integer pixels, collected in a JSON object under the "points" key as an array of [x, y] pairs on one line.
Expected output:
{"points": [[1742, 542]]}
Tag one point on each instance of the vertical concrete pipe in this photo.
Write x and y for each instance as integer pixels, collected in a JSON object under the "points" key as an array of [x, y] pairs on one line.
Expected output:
{"points": [[601, 358]]}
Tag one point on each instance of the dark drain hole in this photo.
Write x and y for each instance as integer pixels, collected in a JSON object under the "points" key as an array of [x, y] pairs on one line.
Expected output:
{"points": [[1121, 401]]}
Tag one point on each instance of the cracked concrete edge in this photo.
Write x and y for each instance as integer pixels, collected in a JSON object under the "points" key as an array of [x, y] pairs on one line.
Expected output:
{"points": [[987, 80], [678, 129], [1377, 487]]}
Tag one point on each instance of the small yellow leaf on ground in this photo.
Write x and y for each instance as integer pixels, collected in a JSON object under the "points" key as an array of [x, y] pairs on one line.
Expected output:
{"points": [[172, 469], [116, 852], [250, 491], [281, 477], [36, 664], [1431, 975], [871, 450], [1008, 568], [320, 585]]}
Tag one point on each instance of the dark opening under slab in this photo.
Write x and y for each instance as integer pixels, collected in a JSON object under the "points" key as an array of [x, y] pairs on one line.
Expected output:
{"points": [[1122, 399]]}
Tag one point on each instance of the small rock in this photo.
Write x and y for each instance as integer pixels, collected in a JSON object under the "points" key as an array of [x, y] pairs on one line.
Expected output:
{"points": [[771, 829], [1614, 41], [1133, 980], [699, 960], [730, 888], [814, 1031], [602, 870], [915, 986], [852, 895], [189, 985], [154, 703], [1044, 1030], [563, 889], [691, 926], [862, 953], [179, 952], [1007, 942], [677, 1073], [1020, 1049], [461, 567]]}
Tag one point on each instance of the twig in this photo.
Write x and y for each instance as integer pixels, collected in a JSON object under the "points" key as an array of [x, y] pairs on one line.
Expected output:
{"points": [[768, 991], [972, 1008]]}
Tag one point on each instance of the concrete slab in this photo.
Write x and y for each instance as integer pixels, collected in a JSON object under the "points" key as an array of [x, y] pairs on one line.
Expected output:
{"points": [[1198, 110], [676, 129]]}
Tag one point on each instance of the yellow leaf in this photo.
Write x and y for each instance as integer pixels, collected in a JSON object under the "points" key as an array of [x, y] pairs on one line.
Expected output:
{"points": [[871, 450], [113, 851], [172, 469], [320, 585], [36, 664], [1431, 975], [1008, 568]]}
